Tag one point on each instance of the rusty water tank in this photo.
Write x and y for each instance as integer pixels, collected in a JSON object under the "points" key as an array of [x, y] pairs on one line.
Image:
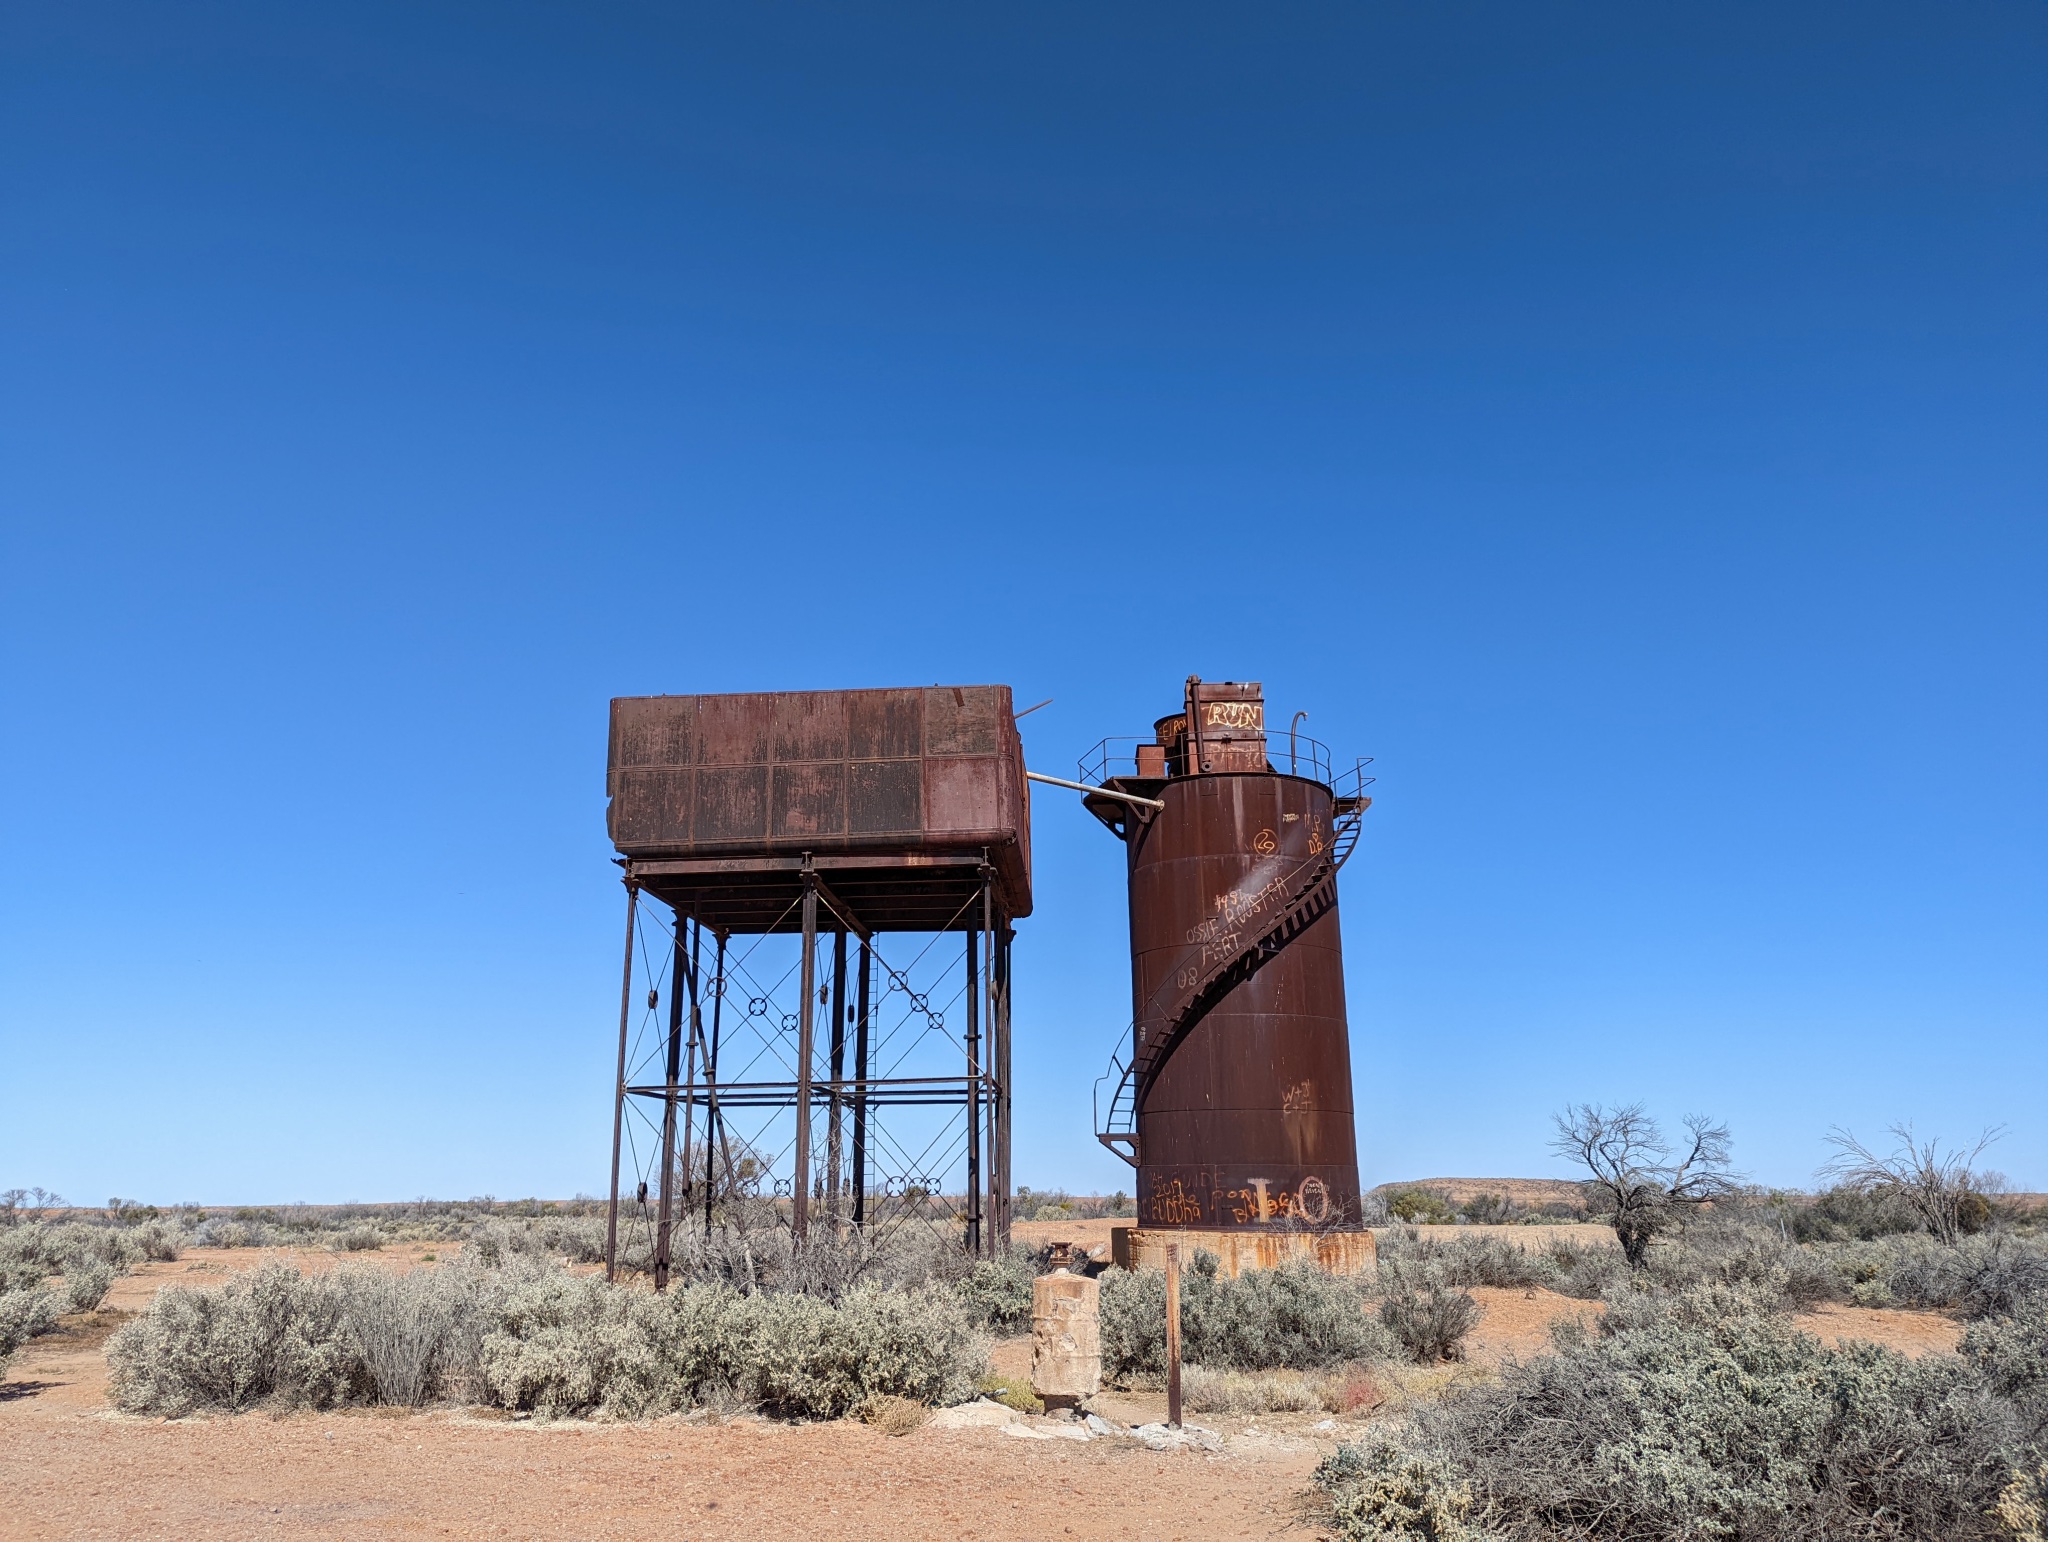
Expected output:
{"points": [[1235, 1099]]}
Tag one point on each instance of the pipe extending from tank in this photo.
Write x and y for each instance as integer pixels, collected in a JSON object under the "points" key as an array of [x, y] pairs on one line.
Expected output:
{"points": [[1100, 792]]}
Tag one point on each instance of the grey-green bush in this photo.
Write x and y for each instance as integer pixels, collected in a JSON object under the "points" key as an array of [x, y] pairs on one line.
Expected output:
{"points": [[997, 1293], [1464, 1260], [1987, 1275], [1429, 1318], [1292, 1318], [1706, 1415], [1381, 1493], [86, 1286], [267, 1336], [573, 1346], [24, 1313], [530, 1336]]}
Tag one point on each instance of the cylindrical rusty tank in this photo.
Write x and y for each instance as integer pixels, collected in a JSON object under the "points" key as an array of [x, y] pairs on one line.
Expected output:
{"points": [[1238, 1083]]}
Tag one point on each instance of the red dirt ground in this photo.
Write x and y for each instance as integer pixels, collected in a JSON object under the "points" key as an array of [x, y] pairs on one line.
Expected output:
{"points": [[70, 1467]]}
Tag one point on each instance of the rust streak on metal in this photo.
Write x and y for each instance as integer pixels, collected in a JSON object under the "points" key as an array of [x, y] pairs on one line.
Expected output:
{"points": [[1241, 1116]]}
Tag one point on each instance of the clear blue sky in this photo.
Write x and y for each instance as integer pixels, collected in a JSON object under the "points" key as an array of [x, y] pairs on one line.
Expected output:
{"points": [[1624, 422]]}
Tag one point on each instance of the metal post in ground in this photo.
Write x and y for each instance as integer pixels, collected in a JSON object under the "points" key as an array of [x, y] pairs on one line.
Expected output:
{"points": [[611, 1213], [665, 1213], [834, 1128], [800, 1184], [1002, 1092], [1173, 1335], [694, 1053], [991, 1167], [863, 987], [973, 1238], [714, 1126]]}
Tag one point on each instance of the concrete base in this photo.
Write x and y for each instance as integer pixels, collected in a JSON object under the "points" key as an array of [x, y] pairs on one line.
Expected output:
{"points": [[1338, 1252]]}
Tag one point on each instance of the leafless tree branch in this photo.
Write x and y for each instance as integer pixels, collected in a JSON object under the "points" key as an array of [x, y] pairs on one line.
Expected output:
{"points": [[1632, 1168]]}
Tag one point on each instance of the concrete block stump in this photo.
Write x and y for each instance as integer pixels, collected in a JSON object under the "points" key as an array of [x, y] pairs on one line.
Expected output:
{"points": [[1066, 1338]]}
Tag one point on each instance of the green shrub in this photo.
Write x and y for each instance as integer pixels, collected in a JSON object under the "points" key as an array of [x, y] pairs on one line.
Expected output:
{"points": [[33, 1252], [1012, 1392], [86, 1286], [570, 1346], [2010, 1355], [1292, 1318], [1429, 1319], [1987, 1275], [1420, 1206], [527, 1336], [267, 1336], [1380, 1493], [1465, 1260], [1706, 1416], [160, 1240], [1848, 1215], [997, 1294], [24, 1313]]}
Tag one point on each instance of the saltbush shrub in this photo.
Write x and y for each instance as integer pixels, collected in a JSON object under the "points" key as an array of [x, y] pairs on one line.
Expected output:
{"points": [[86, 1286], [1703, 1415], [1982, 1276], [24, 1313], [534, 1337], [1291, 1318], [1381, 1493], [997, 1294], [1429, 1318]]}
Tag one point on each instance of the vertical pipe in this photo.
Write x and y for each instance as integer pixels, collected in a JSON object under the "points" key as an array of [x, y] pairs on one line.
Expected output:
{"points": [[864, 987], [611, 1213], [665, 1214], [1173, 1335], [1003, 1087], [973, 1237], [713, 1125], [800, 1184], [991, 1223], [835, 1133], [692, 1053]]}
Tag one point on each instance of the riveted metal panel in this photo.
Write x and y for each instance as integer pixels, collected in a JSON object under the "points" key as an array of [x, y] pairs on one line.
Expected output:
{"points": [[1247, 1122], [919, 771]]}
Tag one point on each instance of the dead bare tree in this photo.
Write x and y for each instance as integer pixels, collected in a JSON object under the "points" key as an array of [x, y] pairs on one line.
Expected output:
{"points": [[1942, 1187], [1634, 1171]]}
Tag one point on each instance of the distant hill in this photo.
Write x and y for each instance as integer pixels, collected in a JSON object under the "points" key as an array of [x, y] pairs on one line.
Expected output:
{"points": [[1532, 1193]]}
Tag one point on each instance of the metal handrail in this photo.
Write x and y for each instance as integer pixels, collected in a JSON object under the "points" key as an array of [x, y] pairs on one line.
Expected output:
{"points": [[1298, 755]]}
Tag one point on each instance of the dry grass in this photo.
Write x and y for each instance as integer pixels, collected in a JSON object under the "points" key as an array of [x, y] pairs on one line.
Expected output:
{"points": [[894, 1415], [1349, 1390]]}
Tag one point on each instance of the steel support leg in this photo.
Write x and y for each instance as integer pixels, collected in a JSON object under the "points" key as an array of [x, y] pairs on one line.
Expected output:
{"points": [[973, 999], [665, 1215], [693, 1054], [863, 986], [714, 1127], [834, 1131], [611, 1213], [987, 984], [800, 1188], [1002, 1092]]}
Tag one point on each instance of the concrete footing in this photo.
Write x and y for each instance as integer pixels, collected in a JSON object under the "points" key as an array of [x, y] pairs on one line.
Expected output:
{"points": [[1338, 1252]]}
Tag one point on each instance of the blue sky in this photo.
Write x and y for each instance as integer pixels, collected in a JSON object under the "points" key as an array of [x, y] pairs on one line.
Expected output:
{"points": [[1623, 422]]}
